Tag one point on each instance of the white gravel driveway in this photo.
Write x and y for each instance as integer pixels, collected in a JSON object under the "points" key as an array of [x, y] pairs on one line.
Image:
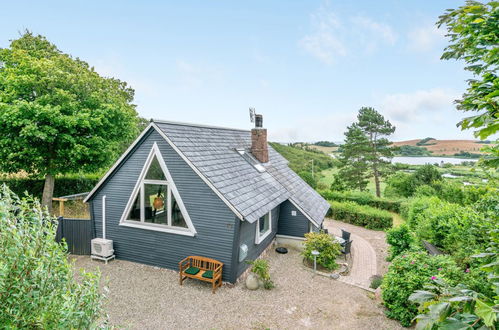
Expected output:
{"points": [[146, 297]]}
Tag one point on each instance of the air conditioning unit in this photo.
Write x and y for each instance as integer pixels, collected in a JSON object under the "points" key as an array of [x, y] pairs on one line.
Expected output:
{"points": [[102, 247]]}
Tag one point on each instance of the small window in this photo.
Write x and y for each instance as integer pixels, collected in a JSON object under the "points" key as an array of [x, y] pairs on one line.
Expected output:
{"points": [[250, 159], [263, 228]]}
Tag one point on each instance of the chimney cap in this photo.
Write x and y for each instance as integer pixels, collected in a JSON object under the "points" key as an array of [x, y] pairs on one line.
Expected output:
{"points": [[258, 121]]}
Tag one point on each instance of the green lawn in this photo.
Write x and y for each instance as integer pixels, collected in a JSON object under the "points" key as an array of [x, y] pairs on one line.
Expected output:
{"points": [[327, 177]]}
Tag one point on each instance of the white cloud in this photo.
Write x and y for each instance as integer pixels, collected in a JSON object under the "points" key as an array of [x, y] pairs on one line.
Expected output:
{"points": [[312, 129], [373, 33], [324, 41], [425, 38], [331, 38], [418, 105]]}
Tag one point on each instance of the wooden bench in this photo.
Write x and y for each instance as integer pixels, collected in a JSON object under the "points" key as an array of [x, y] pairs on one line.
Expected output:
{"points": [[432, 249], [203, 269]]}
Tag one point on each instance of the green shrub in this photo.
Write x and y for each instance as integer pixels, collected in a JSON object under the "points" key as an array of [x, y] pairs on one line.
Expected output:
{"points": [[425, 190], [329, 249], [411, 272], [457, 230], [363, 198], [261, 268], [400, 239], [376, 281], [38, 289], [400, 184], [64, 185], [361, 215], [308, 178]]}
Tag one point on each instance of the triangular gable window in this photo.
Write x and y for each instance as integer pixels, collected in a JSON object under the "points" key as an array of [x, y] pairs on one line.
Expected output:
{"points": [[155, 203]]}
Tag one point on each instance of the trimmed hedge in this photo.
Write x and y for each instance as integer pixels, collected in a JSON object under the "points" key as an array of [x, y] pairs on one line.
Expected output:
{"points": [[363, 198], [361, 215], [64, 185]]}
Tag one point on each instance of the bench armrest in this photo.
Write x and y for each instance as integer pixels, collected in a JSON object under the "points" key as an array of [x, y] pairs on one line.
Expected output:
{"points": [[184, 264], [218, 271]]}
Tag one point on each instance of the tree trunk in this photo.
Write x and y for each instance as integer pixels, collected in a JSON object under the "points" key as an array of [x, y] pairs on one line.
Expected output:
{"points": [[376, 181], [48, 192]]}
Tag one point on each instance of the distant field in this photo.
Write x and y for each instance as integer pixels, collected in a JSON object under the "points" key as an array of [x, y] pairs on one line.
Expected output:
{"points": [[447, 147], [326, 150], [327, 177]]}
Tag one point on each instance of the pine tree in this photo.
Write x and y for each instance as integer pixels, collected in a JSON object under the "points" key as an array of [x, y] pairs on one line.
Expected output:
{"points": [[375, 128], [354, 167]]}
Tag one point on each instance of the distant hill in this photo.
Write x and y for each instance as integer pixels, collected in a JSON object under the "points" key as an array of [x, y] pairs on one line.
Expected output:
{"points": [[300, 158], [445, 147]]}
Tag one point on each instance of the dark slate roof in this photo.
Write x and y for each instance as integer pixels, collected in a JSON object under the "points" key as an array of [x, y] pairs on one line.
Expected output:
{"points": [[212, 150]]}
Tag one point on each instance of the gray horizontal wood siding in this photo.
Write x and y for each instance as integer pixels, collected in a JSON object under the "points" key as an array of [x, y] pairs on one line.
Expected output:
{"points": [[247, 233], [212, 219], [290, 225]]}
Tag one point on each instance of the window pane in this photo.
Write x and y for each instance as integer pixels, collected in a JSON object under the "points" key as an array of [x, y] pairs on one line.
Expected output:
{"points": [[177, 217], [155, 172], [135, 210], [155, 203], [264, 224]]}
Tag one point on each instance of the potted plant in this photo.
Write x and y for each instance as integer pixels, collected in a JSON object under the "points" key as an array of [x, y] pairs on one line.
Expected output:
{"points": [[259, 275]]}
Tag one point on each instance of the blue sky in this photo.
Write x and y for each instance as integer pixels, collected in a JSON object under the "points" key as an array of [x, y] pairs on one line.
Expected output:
{"points": [[307, 66]]}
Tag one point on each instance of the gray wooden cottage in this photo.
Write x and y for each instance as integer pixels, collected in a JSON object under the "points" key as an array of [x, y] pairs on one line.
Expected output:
{"points": [[184, 189]]}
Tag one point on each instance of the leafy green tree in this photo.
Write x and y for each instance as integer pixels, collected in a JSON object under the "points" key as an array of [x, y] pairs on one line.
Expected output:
{"points": [[38, 289], [473, 32], [57, 115], [376, 128], [353, 163]]}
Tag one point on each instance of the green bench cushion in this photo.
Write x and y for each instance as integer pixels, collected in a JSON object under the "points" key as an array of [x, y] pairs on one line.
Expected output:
{"points": [[192, 270], [208, 274]]}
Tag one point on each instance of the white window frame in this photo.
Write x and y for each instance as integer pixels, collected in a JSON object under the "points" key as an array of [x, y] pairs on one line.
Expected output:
{"points": [[260, 237], [171, 190]]}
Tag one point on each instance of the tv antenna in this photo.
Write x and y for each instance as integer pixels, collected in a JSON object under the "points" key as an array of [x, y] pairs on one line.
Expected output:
{"points": [[252, 114]]}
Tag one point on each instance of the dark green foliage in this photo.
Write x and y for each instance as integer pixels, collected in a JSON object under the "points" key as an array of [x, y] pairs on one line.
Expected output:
{"points": [[426, 174], [377, 129], [457, 230], [354, 168], [466, 154], [407, 150], [65, 185], [403, 184], [362, 198], [57, 115], [400, 184], [308, 178], [325, 144], [376, 281], [38, 289], [300, 160], [424, 142], [410, 272], [400, 240], [473, 32], [361, 215], [328, 248]]}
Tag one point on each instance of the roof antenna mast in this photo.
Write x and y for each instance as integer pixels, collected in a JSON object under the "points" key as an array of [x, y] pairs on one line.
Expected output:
{"points": [[252, 114]]}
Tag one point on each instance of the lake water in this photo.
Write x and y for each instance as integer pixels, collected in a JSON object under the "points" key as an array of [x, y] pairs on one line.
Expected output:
{"points": [[429, 160]]}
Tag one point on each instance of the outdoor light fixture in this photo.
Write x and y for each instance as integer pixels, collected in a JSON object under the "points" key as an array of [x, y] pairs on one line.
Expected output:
{"points": [[315, 253]]}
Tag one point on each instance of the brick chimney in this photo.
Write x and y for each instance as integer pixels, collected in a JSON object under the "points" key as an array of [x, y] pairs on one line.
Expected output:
{"points": [[259, 147]]}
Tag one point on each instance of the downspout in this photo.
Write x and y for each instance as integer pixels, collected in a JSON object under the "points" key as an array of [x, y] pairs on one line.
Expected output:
{"points": [[104, 217]]}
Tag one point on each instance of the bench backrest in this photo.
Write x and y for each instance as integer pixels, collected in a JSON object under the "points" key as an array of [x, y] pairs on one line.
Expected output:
{"points": [[204, 263]]}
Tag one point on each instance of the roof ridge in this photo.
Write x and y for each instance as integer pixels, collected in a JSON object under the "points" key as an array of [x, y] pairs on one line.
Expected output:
{"points": [[159, 121]]}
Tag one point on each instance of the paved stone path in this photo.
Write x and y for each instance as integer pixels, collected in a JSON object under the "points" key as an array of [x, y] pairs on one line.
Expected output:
{"points": [[362, 258]]}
